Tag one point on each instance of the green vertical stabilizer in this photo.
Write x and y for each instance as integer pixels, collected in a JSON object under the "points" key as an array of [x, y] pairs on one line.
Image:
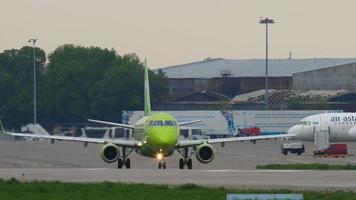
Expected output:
{"points": [[147, 97]]}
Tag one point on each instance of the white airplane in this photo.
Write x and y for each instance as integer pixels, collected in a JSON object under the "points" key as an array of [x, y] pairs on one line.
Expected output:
{"points": [[341, 127]]}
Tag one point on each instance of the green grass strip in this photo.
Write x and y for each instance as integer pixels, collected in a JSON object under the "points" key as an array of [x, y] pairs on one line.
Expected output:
{"points": [[13, 189], [307, 166]]}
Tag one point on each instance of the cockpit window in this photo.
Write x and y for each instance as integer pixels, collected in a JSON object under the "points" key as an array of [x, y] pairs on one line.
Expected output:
{"points": [[306, 123], [157, 123], [169, 123], [163, 123]]}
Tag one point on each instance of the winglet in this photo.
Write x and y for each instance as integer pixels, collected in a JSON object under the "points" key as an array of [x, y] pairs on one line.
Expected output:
{"points": [[2, 128], [147, 100]]}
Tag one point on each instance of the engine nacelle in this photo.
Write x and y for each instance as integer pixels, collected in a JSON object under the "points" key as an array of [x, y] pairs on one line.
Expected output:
{"points": [[205, 153], [109, 153]]}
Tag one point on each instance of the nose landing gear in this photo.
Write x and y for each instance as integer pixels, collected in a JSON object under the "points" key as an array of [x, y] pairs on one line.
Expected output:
{"points": [[162, 164], [161, 161]]}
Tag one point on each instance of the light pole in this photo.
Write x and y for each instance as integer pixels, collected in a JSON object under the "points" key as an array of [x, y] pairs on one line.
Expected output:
{"points": [[266, 21], [33, 41]]}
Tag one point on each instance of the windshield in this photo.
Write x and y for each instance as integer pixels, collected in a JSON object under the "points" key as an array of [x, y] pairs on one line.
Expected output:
{"points": [[163, 123], [306, 123]]}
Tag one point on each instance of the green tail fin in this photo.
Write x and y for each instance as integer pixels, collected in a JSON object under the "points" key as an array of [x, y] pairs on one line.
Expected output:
{"points": [[147, 97], [2, 128]]}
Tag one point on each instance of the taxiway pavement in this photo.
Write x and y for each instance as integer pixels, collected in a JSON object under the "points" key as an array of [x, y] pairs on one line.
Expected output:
{"points": [[233, 165]]}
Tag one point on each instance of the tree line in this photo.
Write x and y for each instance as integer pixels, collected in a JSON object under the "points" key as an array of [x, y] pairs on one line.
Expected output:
{"points": [[74, 83]]}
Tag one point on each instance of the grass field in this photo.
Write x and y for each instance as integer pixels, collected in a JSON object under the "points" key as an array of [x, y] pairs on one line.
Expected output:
{"points": [[13, 189], [308, 166]]}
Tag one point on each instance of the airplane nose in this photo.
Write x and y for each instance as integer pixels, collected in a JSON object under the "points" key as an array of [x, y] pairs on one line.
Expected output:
{"points": [[164, 139], [296, 129], [352, 132]]}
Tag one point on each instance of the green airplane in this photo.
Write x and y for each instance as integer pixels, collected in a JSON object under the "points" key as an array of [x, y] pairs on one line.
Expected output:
{"points": [[155, 136]]}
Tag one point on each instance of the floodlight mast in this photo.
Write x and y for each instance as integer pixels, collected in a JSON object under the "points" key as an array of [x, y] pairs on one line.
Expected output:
{"points": [[266, 21], [33, 41]]}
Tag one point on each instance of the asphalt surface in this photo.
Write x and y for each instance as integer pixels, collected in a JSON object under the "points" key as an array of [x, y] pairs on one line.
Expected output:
{"points": [[234, 165]]}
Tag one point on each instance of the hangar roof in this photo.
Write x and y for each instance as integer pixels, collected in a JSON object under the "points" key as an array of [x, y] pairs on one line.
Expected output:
{"points": [[210, 68]]}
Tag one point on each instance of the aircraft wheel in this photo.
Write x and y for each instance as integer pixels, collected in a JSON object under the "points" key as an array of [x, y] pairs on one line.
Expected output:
{"points": [[159, 165], [189, 164], [128, 163], [181, 163], [164, 165], [120, 163]]}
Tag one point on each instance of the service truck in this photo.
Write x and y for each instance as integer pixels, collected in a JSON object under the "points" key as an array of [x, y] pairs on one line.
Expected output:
{"points": [[296, 147]]}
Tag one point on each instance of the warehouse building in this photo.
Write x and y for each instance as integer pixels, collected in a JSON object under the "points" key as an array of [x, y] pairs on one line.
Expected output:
{"points": [[340, 77], [231, 77]]}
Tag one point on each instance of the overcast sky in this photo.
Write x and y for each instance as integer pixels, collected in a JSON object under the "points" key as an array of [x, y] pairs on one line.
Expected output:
{"points": [[171, 32]]}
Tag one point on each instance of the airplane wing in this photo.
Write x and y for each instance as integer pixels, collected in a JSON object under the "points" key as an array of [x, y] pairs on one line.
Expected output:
{"points": [[186, 143], [111, 123], [119, 142], [190, 122]]}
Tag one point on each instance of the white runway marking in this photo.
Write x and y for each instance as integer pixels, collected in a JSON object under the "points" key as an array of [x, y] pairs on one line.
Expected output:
{"points": [[251, 171], [93, 169]]}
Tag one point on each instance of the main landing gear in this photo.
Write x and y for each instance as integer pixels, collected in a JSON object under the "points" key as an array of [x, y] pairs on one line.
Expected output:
{"points": [[124, 160], [186, 160]]}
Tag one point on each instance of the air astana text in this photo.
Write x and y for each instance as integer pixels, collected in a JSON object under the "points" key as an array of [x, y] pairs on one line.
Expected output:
{"points": [[344, 119]]}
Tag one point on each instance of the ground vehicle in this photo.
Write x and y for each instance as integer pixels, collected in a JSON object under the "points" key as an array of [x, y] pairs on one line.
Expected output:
{"points": [[243, 132], [333, 149], [247, 132], [292, 148]]}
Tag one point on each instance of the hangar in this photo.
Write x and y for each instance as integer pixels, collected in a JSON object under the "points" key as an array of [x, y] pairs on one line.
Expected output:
{"points": [[231, 77], [339, 77]]}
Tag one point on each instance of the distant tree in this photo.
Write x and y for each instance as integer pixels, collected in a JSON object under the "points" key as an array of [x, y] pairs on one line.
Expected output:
{"points": [[72, 71], [92, 82], [78, 83], [16, 83]]}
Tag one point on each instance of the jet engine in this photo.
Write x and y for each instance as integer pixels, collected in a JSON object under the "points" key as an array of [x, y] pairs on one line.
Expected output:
{"points": [[205, 153], [109, 153]]}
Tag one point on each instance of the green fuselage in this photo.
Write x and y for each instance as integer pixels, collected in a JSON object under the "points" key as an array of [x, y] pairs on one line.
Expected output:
{"points": [[159, 134]]}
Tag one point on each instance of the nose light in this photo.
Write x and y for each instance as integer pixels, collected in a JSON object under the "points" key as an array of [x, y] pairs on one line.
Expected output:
{"points": [[159, 156]]}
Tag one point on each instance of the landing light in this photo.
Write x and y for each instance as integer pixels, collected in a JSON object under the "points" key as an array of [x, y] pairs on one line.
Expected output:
{"points": [[159, 156]]}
